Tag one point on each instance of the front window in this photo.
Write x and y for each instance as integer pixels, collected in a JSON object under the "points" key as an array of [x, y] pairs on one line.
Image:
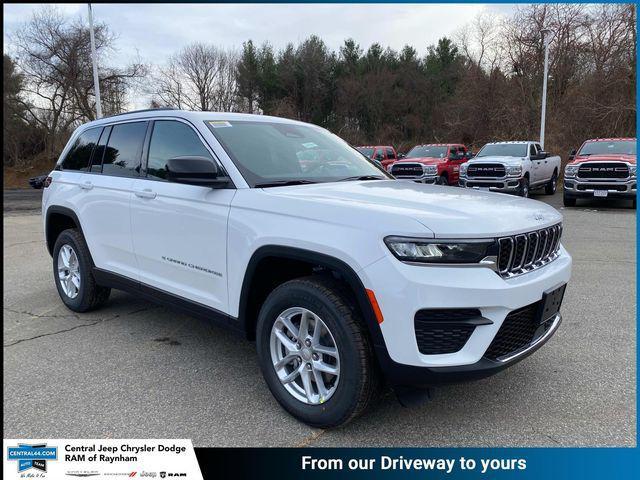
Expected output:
{"points": [[618, 147], [427, 151], [503, 150], [268, 153], [366, 151]]}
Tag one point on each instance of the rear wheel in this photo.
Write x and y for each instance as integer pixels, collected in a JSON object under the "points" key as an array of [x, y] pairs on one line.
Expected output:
{"points": [[568, 201], [72, 270], [314, 352], [551, 187]]}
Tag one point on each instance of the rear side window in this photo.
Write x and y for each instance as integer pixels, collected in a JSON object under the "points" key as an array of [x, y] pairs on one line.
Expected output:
{"points": [[124, 149], [172, 139], [98, 154], [79, 156]]}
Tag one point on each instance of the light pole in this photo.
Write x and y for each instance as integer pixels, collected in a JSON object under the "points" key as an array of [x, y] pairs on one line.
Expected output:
{"points": [[547, 36], [94, 60]]}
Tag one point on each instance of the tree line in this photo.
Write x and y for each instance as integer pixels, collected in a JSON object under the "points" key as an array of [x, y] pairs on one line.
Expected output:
{"points": [[482, 84]]}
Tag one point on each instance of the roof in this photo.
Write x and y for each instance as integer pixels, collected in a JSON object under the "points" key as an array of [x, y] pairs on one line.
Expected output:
{"points": [[189, 115], [439, 145], [513, 142], [611, 140], [374, 146]]}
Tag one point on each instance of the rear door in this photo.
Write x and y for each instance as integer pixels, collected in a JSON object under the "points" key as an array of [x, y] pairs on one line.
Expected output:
{"points": [[104, 211], [180, 231]]}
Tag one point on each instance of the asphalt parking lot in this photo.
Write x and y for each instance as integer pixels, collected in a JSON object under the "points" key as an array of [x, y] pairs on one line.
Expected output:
{"points": [[136, 370]]}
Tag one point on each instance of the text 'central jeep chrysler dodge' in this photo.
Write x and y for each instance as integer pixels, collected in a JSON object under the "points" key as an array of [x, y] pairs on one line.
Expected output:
{"points": [[344, 277]]}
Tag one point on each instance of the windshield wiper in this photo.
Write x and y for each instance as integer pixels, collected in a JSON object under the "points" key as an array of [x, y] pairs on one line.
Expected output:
{"points": [[362, 177], [283, 183]]}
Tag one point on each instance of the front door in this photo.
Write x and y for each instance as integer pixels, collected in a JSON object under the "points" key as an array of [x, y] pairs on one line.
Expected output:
{"points": [[180, 231]]}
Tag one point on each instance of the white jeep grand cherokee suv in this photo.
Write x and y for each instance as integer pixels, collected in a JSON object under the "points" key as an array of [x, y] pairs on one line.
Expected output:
{"points": [[278, 229]]}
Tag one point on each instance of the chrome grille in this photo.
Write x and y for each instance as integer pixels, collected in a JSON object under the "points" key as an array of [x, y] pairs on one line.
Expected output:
{"points": [[490, 170], [603, 170], [525, 252], [407, 170]]}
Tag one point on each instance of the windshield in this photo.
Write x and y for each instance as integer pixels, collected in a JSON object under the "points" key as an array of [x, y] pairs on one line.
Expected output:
{"points": [[503, 150], [268, 153], [366, 151], [620, 147], [427, 151]]}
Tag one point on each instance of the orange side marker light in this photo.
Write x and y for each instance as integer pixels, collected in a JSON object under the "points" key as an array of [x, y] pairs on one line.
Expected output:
{"points": [[375, 306]]}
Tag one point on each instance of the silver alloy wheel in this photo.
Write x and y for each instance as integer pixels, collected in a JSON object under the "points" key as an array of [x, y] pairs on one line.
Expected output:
{"points": [[69, 271], [305, 356], [554, 183]]}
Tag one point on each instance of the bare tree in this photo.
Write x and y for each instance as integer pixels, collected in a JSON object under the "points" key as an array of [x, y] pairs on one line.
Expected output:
{"points": [[199, 77]]}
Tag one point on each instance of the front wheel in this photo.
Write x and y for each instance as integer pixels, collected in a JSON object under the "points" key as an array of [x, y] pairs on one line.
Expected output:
{"points": [[568, 201], [524, 187], [442, 180], [314, 352]]}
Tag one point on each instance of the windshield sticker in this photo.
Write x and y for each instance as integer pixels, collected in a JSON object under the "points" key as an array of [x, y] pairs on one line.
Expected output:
{"points": [[220, 124], [309, 145]]}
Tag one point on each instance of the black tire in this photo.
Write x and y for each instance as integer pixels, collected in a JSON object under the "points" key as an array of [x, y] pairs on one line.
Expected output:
{"points": [[524, 187], [90, 295], [442, 180], [568, 201], [550, 188], [359, 379]]}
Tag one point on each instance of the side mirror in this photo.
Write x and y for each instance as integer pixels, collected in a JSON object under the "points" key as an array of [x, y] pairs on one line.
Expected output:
{"points": [[543, 155], [572, 154], [402, 155], [200, 171]]}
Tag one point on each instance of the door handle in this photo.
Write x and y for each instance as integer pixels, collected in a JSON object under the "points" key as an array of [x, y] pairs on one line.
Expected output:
{"points": [[86, 185], [146, 193]]}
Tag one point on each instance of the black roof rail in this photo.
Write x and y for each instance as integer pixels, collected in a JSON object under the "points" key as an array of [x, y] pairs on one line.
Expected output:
{"points": [[140, 111]]}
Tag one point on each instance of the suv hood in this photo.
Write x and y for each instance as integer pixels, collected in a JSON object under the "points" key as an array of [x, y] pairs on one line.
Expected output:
{"points": [[447, 212], [605, 158], [492, 159]]}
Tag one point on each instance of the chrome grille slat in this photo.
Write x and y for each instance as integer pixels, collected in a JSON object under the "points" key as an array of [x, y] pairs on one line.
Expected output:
{"points": [[526, 252]]}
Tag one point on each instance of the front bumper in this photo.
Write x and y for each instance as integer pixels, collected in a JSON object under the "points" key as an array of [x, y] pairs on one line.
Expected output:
{"points": [[408, 289], [422, 179], [579, 188], [504, 185]]}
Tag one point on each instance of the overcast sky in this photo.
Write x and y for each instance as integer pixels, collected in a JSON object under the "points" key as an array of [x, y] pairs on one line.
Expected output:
{"points": [[154, 31]]}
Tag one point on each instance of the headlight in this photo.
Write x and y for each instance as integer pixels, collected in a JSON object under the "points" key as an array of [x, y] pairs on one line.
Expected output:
{"points": [[514, 170], [570, 171], [463, 170], [440, 251], [632, 170], [430, 169]]}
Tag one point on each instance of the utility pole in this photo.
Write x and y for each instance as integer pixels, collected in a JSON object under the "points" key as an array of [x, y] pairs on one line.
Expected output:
{"points": [[547, 36], [94, 60]]}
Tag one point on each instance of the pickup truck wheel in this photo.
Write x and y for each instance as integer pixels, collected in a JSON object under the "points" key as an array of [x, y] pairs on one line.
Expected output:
{"points": [[568, 201], [314, 352], [442, 180], [551, 187], [524, 188], [72, 271]]}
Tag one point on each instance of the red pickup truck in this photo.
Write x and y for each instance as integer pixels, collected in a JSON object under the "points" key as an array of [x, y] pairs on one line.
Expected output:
{"points": [[385, 154], [437, 163], [602, 167]]}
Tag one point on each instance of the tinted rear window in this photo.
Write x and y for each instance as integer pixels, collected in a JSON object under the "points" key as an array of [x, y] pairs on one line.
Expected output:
{"points": [[124, 148], [80, 154]]}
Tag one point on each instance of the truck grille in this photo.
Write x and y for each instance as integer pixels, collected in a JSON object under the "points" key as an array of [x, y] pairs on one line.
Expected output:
{"points": [[440, 331], [525, 252], [519, 329], [489, 170], [407, 170], [603, 170]]}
